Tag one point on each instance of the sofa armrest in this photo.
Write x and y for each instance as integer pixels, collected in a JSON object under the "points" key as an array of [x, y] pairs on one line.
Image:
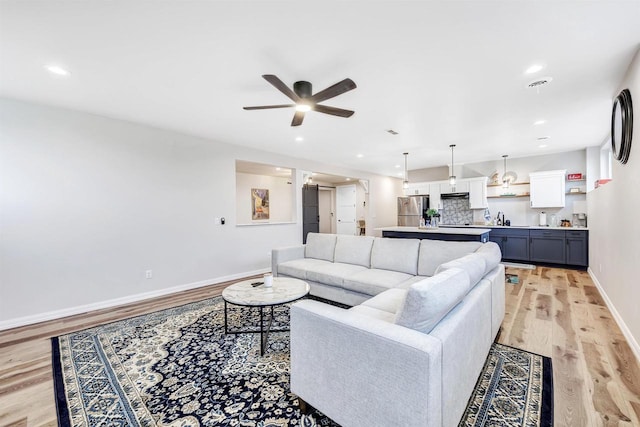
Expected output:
{"points": [[280, 255], [362, 371]]}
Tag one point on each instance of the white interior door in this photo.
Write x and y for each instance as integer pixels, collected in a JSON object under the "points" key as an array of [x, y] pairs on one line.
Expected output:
{"points": [[346, 209], [325, 211]]}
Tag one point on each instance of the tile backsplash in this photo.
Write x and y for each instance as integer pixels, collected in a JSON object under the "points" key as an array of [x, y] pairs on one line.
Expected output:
{"points": [[456, 211]]}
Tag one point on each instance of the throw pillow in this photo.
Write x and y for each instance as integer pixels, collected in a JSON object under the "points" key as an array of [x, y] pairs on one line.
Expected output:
{"points": [[429, 300], [473, 264], [492, 255]]}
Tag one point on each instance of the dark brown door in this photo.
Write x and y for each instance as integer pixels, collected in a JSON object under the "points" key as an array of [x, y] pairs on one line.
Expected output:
{"points": [[310, 209]]}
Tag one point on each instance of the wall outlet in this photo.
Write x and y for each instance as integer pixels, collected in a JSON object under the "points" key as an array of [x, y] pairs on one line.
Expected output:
{"points": [[148, 274]]}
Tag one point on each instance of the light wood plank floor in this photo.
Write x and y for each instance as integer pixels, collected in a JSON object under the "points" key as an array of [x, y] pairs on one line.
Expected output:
{"points": [[554, 312]]}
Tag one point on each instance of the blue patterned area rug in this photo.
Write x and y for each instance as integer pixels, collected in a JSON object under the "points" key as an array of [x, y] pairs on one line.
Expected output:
{"points": [[177, 367], [515, 388]]}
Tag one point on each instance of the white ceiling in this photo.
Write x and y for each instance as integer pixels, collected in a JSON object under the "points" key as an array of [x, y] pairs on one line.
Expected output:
{"points": [[437, 72]]}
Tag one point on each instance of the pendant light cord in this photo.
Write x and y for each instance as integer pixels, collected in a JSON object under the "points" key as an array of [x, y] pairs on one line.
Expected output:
{"points": [[452, 177], [405, 183]]}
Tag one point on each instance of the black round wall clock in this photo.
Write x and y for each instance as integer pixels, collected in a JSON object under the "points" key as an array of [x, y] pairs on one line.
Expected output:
{"points": [[622, 126]]}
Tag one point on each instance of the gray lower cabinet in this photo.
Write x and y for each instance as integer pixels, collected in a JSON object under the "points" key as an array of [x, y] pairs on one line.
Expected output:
{"points": [[514, 243], [568, 247], [547, 246], [577, 248]]}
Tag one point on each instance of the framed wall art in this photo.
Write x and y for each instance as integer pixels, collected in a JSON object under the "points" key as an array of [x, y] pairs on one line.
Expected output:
{"points": [[259, 204]]}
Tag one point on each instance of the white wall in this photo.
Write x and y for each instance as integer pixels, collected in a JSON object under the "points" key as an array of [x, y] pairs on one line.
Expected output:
{"points": [[614, 244], [281, 194], [429, 174], [87, 204]]}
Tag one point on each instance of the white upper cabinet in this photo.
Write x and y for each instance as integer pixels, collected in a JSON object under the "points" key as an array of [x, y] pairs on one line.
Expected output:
{"points": [[462, 186], [547, 189], [416, 189], [478, 193]]}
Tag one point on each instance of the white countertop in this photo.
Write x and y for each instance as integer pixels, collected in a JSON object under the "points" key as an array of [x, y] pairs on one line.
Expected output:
{"points": [[526, 227], [468, 231]]}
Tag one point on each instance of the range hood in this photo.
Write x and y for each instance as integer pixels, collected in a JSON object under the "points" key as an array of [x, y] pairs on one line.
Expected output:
{"points": [[454, 196]]}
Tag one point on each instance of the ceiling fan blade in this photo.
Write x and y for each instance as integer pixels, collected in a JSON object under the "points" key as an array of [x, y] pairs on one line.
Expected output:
{"points": [[279, 84], [297, 118], [266, 107], [335, 90], [333, 111]]}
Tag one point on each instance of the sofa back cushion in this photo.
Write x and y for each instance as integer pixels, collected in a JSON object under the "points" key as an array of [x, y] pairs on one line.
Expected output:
{"points": [[473, 264], [320, 246], [430, 299], [354, 250], [395, 254], [492, 255], [436, 252]]}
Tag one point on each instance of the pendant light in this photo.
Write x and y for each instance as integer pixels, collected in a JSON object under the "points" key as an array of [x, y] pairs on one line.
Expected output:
{"points": [[405, 183], [505, 178], [452, 177]]}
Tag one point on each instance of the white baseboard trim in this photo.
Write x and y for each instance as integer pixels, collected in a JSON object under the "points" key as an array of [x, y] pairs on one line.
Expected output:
{"points": [[65, 312], [635, 347]]}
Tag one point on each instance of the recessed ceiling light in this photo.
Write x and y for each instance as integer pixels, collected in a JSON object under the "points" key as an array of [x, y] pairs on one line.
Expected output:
{"points": [[534, 69], [539, 122], [299, 139], [277, 169], [58, 70], [359, 156], [397, 166], [543, 146], [348, 179], [313, 173]]}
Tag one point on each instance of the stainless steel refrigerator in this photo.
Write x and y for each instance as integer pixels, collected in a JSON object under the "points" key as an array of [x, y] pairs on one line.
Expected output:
{"points": [[411, 209]]}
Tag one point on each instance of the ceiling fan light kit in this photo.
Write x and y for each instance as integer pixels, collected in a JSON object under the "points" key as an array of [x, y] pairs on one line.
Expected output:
{"points": [[305, 101]]}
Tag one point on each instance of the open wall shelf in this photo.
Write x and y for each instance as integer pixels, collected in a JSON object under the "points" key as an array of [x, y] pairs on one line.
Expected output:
{"points": [[502, 196], [513, 183]]}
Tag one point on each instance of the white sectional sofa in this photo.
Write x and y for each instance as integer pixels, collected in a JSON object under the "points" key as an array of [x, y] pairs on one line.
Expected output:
{"points": [[411, 348]]}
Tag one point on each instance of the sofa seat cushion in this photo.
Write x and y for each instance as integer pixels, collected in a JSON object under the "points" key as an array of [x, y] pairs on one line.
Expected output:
{"points": [[298, 268], [389, 300], [395, 254], [473, 264], [436, 252], [332, 273], [374, 312], [354, 250], [320, 246], [492, 255], [373, 281], [429, 300]]}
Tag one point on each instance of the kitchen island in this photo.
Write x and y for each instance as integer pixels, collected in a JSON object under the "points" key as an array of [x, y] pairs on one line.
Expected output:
{"points": [[437, 233]]}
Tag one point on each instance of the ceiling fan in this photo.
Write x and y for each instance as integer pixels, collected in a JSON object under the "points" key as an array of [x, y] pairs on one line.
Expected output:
{"points": [[305, 101]]}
